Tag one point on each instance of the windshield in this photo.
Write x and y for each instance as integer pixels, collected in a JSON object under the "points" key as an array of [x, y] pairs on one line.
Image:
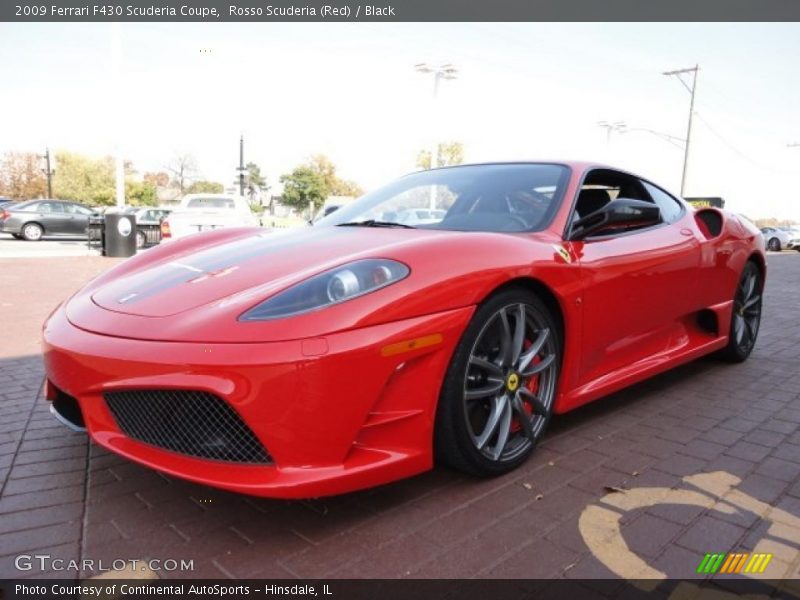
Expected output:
{"points": [[499, 197], [210, 202]]}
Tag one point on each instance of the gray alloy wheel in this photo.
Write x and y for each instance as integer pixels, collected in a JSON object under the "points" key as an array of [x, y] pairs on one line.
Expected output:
{"points": [[32, 232], [774, 245], [746, 317], [499, 392]]}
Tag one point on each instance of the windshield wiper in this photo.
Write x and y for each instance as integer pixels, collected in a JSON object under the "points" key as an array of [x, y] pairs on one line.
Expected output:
{"points": [[375, 223]]}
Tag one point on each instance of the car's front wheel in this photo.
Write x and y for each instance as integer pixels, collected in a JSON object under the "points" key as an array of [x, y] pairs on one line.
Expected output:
{"points": [[498, 394], [32, 232], [774, 245]]}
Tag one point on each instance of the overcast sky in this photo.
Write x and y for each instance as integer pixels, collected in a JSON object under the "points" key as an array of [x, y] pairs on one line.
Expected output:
{"points": [[525, 91]]}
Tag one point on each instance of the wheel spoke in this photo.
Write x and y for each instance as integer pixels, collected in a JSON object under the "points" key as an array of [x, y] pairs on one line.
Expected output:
{"points": [[738, 328], [498, 408], [750, 330], [535, 348], [751, 302], [504, 428], [506, 341], [524, 418], [487, 365], [532, 399], [492, 387], [539, 367], [519, 334], [749, 287]]}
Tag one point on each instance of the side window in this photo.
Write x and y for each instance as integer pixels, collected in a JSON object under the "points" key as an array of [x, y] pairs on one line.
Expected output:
{"points": [[50, 207], [671, 209], [604, 186], [76, 209], [33, 207]]}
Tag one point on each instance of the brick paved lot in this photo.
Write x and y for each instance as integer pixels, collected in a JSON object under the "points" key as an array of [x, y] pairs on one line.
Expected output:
{"points": [[63, 497]]}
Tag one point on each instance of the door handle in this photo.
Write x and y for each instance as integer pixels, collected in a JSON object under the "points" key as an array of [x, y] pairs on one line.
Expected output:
{"points": [[687, 232]]}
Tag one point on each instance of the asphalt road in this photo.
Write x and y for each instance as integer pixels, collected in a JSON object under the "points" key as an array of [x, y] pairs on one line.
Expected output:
{"points": [[48, 247]]}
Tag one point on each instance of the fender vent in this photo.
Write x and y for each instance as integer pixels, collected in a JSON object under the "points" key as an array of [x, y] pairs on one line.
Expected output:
{"points": [[188, 422], [709, 221]]}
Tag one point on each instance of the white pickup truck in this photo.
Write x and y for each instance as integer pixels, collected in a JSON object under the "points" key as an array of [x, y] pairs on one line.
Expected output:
{"points": [[202, 212]]}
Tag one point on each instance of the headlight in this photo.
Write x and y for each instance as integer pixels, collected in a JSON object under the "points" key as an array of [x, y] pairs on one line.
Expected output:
{"points": [[331, 287]]}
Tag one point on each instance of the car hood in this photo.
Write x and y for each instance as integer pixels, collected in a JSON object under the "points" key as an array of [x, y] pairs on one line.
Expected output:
{"points": [[195, 289], [259, 265]]}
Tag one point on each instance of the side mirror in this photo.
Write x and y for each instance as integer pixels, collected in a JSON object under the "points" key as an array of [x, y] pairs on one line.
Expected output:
{"points": [[620, 214]]}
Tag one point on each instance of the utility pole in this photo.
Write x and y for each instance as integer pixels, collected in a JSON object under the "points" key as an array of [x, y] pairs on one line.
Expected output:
{"points": [[241, 165], [677, 73], [49, 172]]}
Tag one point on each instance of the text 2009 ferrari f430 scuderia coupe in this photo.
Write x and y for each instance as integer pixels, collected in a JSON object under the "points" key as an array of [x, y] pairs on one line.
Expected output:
{"points": [[364, 349]]}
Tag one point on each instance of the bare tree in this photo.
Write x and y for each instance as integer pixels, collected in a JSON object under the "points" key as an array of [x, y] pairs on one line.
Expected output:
{"points": [[184, 171]]}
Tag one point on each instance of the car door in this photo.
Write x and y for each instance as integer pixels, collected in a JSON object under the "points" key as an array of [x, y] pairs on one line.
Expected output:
{"points": [[53, 218], [636, 283], [78, 218]]}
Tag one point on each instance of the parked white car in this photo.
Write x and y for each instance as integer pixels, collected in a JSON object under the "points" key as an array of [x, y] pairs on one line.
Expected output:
{"points": [[203, 212], [775, 238]]}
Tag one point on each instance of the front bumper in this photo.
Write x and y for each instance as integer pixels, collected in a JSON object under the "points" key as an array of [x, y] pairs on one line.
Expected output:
{"points": [[344, 412]]}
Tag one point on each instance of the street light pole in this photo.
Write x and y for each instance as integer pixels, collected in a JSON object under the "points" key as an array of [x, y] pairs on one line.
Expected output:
{"points": [[446, 71], [677, 73], [609, 126], [241, 165]]}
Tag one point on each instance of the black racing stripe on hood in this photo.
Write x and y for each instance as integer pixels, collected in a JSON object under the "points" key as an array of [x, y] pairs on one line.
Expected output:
{"points": [[219, 257]]}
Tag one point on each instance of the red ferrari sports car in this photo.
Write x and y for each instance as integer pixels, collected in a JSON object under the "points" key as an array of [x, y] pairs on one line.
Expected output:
{"points": [[362, 350]]}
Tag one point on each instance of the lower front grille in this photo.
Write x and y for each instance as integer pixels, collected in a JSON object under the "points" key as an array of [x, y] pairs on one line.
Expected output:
{"points": [[186, 421]]}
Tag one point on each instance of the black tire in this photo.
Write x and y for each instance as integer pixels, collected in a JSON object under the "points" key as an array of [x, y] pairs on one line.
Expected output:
{"points": [[32, 232], [746, 316], [774, 245], [456, 443], [141, 240]]}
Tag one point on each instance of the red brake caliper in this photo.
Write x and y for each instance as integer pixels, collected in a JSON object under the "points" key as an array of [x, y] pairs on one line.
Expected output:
{"points": [[533, 386]]}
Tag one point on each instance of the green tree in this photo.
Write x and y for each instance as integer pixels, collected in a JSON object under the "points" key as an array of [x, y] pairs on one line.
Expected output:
{"points": [[447, 154], [21, 176], [84, 179], [92, 181], [140, 193], [205, 187], [255, 181], [303, 187], [334, 185]]}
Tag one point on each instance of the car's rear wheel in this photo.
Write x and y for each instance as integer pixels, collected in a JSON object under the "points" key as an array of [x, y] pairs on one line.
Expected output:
{"points": [[746, 317], [32, 232], [498, 394], [774, 245]]}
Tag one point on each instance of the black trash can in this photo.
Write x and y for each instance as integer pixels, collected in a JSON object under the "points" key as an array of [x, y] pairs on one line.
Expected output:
{"points": [[120, 235]]}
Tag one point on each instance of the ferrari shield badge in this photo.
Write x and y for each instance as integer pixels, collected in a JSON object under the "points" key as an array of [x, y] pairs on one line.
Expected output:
{"points": [[563, 253]]}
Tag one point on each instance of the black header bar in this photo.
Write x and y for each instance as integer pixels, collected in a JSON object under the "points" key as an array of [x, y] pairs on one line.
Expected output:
{"points": [[399, 10]]}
